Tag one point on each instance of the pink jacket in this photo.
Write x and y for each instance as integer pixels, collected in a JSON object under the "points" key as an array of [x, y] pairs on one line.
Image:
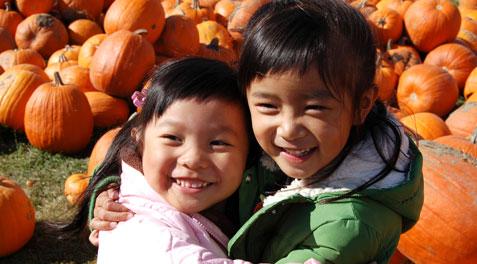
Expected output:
{"points": [[158, 233]]}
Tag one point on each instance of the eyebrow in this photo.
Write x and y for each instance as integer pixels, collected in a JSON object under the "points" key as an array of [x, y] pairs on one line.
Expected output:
{"points": [[220, 128], [317, 94]]}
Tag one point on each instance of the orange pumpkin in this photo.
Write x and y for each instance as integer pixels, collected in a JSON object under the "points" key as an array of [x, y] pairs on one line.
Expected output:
{"points": [[120, 63], [426, 125], [364, 7], [214, 51], [75, 185], [57, 67], [7, 42], [209, 30], [468, 146], [10, 19], [58, 118], [470, 87], [223, 9], [430, 23], [9, 58], [456, 59], [445, 231], [88, 49], [136, 14], [463, 120], [400, 6], [192, 10], [471, 4], [385, 78], [82, 29], [43, 33], [100, 148], [468, 33], [32, 68], [180, 38], [16, 87], [69, 52], [426, 88], [387, 25], [403, 57], [107, 111], [241, 15], [17, 223], [472, 98], [77, 75], [28, 7], [72, 10]]}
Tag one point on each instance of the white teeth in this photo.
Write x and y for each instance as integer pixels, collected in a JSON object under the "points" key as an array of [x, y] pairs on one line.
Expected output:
{"points": [[298, 153], [191, 184]]}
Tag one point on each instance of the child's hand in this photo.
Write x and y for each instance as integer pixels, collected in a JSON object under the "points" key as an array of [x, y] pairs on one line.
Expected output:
{"points": [[107, 212]]}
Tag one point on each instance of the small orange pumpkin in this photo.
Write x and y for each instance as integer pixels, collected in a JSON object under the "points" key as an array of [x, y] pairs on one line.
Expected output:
{"points": [[463, 120], [427, 88], [58, 118], [88, 49], [192, 10], [10, 19], [9, 58], [107, 111], [470, 87], [426, 125], [385, 78], [57, 67], [77, 75], [214, 51], [82, 29], [456, 59], [69, 52], [400, 6], [179, 38], [239, 18], [43, 33], [100, 148], [387, 25], [223, 9], [430, 23], [209, 30], [75, 185], [17, 223], [468, 33], [403, 57]]}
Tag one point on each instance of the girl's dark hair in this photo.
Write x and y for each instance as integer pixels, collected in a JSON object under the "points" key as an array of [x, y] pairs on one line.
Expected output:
{"points": [[189, 78], [333, 37]]}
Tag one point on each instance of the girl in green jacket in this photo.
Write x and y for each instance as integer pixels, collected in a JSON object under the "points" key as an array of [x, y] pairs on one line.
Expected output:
{"points": [[354, 178]]}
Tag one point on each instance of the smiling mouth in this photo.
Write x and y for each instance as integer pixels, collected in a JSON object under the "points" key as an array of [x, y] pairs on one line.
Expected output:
{"points": [[189, 183], [298, 153]]}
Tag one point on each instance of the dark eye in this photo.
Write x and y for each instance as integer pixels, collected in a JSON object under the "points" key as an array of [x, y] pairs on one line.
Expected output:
{"points": [[315, 107], [172, 138], [219, 143], [266, 105]]}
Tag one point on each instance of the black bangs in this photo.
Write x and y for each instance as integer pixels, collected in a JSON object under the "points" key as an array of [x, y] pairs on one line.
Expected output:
{"points": [[294, 35]]}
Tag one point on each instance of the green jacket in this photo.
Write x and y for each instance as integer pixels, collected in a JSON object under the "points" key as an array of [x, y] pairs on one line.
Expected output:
{"points": [[360, 229]]}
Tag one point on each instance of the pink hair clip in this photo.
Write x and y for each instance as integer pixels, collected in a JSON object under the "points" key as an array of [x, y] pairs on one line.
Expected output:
{"points": [[139, 98]]}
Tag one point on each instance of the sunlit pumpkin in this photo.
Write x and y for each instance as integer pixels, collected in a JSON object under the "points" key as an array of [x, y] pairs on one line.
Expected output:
{"points": [[82, 29], [107, 111], [180, 38], [9, 58], [18, 217], [463, 120], [466, 145], [100, 148], [75, 185], [88, 49], [426, 125]]}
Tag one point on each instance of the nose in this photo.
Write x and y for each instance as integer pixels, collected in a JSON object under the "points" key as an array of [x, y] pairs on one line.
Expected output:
{"points": [[290, 128], [193, 158]]}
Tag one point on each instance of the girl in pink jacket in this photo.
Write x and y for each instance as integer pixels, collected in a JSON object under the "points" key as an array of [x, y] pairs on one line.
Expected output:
{"points": [[184, 153]]}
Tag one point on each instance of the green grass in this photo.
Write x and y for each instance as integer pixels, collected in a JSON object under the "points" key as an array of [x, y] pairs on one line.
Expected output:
{"points": [[22, 162]]}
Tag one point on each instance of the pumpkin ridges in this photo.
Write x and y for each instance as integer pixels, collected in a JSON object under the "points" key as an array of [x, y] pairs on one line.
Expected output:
{"points": [[463, 120], [107, 110]]}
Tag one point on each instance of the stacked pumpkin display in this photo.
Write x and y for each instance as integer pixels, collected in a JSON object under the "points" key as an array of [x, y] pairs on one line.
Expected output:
{"points": [[72, 65], [426, 69]]}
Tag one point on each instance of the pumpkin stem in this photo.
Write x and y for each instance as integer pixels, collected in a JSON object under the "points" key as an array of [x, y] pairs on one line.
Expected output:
{"points": [[140, 31], [214, 44], [62, 58], [195, 4], [389, 44], [58, 81]]}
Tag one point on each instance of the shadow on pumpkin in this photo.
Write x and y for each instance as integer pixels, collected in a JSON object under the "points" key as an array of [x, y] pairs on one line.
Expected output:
{"points": [[45, 247]]}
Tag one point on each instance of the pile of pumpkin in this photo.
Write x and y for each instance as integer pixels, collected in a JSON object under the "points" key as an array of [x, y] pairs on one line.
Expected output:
{"points": [[71, 65]]}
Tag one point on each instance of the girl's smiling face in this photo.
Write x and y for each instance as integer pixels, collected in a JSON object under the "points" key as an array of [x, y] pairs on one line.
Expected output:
{"points": [[298, 122], [194, 155]]}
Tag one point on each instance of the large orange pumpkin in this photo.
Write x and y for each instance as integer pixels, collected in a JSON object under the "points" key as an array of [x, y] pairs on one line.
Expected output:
{"points": [[430, 23], [468, 146], [33, 68], [426, 125], [446, 230], [180, 38], [463, 120], [17, 221], [107, 111], [468, 32], [43, 33], [16, 87], [10, 19], [120, 63], [75, 185], [136, 14], [427, 88], [9, 58], [456, 59], [100, 148], [58, 118]]}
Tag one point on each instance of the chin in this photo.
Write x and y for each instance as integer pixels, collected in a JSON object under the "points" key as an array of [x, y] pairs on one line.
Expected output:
{"points": [[295, 172]]}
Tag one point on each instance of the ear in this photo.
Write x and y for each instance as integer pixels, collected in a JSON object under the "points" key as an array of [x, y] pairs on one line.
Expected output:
{"points": [[365, 105]]}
